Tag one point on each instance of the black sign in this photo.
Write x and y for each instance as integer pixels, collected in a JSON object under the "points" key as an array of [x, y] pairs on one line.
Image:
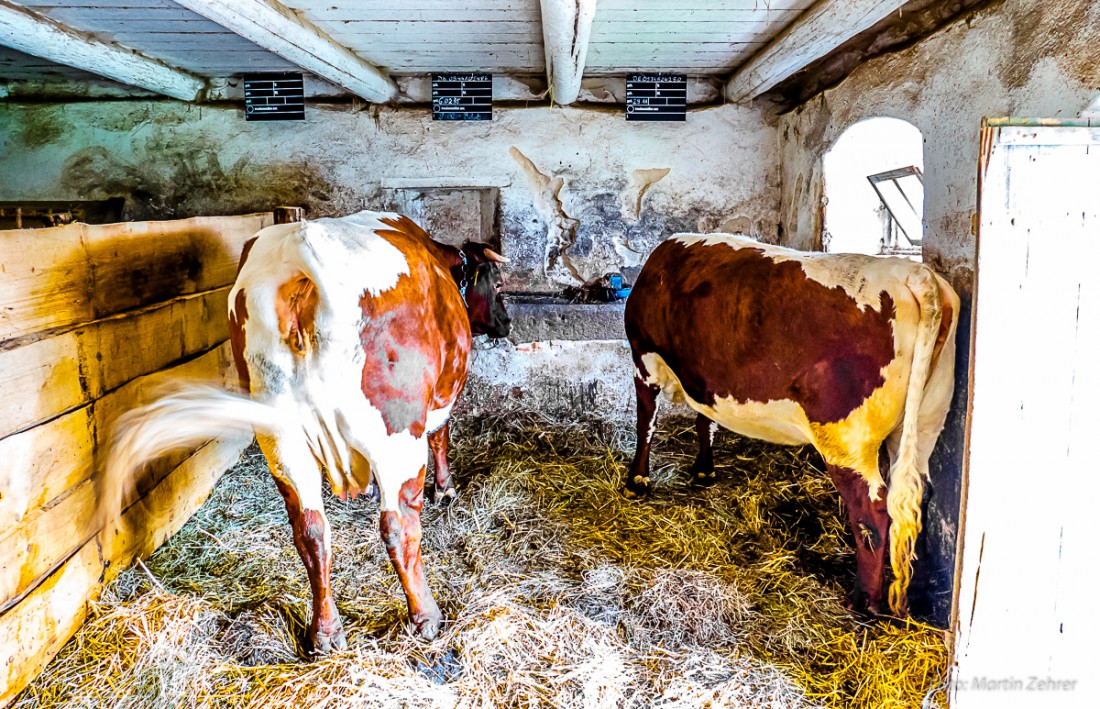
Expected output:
{"points": [[274, 97], [462, 97], [656, 97]]}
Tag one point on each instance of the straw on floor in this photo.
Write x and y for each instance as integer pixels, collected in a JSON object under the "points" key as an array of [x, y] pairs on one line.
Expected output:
{"points": [[557, 592]]}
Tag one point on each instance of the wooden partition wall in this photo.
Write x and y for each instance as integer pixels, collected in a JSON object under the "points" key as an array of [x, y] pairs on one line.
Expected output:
{"points": [[92, 319]]}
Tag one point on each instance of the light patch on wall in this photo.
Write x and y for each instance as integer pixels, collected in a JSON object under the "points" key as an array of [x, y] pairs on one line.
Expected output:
{"points": [[640, 182]]}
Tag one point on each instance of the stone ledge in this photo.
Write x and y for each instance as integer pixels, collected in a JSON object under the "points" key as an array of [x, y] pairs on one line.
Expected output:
{"points": [[538, 318]]}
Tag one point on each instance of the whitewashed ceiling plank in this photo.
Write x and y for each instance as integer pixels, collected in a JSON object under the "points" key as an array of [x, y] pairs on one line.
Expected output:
{"points": [[282, 31], [819, 31], [47, 38]]}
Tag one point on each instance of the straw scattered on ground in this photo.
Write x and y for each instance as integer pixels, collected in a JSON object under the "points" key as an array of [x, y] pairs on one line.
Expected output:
{"points": [[557, 592]]}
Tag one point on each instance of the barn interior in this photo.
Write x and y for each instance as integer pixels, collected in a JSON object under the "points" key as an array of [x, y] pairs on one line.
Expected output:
{"points": [[800, 118]]}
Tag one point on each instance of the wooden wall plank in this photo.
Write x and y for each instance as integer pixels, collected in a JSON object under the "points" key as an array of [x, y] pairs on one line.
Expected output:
{"points": [[45, 281], [44, 539], [41, 380], [139, 263], [49, 534], [38, 465], [51, 376], [134, 346], [69, 275], [37, 628]]}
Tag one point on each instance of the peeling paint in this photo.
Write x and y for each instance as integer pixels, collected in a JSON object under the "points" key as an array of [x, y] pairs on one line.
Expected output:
{"points": [[560, 227], [640, 182]]}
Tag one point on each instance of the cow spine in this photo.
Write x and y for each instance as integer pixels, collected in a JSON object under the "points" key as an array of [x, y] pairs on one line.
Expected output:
{"points": [[903, 500]]}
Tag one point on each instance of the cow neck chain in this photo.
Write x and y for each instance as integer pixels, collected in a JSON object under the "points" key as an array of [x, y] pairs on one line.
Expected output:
{"points": [[462, 284]]}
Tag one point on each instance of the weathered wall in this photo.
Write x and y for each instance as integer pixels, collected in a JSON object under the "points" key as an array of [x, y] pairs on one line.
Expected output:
{"points": [[173, 160], [1017, 57]]}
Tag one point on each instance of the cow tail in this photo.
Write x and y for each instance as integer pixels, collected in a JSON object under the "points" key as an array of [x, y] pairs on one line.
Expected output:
{"points": [[906, 487], [189, 416]]}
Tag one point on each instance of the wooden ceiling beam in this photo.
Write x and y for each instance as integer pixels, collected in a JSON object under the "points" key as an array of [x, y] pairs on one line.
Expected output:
{"points": [[566, 29], [43, 37], [816, 33], [279, 29]]}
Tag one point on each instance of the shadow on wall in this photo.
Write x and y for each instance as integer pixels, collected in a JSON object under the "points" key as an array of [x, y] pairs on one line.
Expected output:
{"points": [[859, 219], [190, 181]]}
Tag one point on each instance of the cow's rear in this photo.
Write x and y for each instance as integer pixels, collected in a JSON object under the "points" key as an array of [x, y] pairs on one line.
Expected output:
{"points": [[851, 354], [352, 337]]}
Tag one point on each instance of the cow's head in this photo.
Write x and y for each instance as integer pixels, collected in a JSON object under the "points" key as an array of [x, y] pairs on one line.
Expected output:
{"points": [[483, 290]]}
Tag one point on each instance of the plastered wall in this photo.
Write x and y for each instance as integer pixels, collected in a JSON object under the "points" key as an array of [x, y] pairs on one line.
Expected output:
{"points": [[1015, 58], [581, 191]]}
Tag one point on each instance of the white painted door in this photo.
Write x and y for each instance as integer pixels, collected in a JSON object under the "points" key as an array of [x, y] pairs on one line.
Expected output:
{"points": [[1028, 632]]}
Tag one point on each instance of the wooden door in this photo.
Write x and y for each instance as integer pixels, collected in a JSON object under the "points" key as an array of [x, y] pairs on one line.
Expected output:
{"points": [[1027, 625]]}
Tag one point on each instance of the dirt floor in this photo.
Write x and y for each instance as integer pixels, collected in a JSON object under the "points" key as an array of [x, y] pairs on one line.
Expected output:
{"points": [[557, 592]]}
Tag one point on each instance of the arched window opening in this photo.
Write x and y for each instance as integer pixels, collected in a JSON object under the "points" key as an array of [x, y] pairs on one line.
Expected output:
{"points": [[874, 190]]}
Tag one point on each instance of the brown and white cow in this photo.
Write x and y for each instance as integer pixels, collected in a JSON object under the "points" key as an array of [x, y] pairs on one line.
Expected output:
{"points": [[852, 354], [352, 337]]}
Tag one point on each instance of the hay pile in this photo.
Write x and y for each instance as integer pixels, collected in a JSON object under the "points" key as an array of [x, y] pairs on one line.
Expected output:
{"points": [[556, 591]]}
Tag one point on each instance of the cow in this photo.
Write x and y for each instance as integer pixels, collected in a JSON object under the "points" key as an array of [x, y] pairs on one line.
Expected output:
{"points": [[851, 354], [352, 335]]}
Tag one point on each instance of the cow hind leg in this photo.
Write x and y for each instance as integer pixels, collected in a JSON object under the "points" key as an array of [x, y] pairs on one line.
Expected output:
{"points": [[637, 476], [299, 482], [870, 524], [402, 501], [443, 490], [702, 470]]}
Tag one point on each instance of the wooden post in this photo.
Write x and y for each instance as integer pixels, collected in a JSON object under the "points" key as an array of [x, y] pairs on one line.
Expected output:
{"points": [[289, 215], [566, 28]]}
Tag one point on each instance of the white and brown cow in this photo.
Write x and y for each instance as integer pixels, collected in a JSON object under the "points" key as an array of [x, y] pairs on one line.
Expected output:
{"points": [[852, 354], [352, 337]]}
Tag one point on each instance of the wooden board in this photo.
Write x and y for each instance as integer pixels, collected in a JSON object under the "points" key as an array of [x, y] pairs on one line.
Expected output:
{"points": [[38, 465], [41, 380], [70, 275], [48, 377], [34, 631], [47, 535], [45, 280], [141, 263]]}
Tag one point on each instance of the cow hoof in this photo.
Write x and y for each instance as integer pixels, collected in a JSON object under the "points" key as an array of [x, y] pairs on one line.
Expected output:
{"points": [[704, 478], [445, 496], [865, 610], [636, 486], [324, 643], [427, 627]]}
